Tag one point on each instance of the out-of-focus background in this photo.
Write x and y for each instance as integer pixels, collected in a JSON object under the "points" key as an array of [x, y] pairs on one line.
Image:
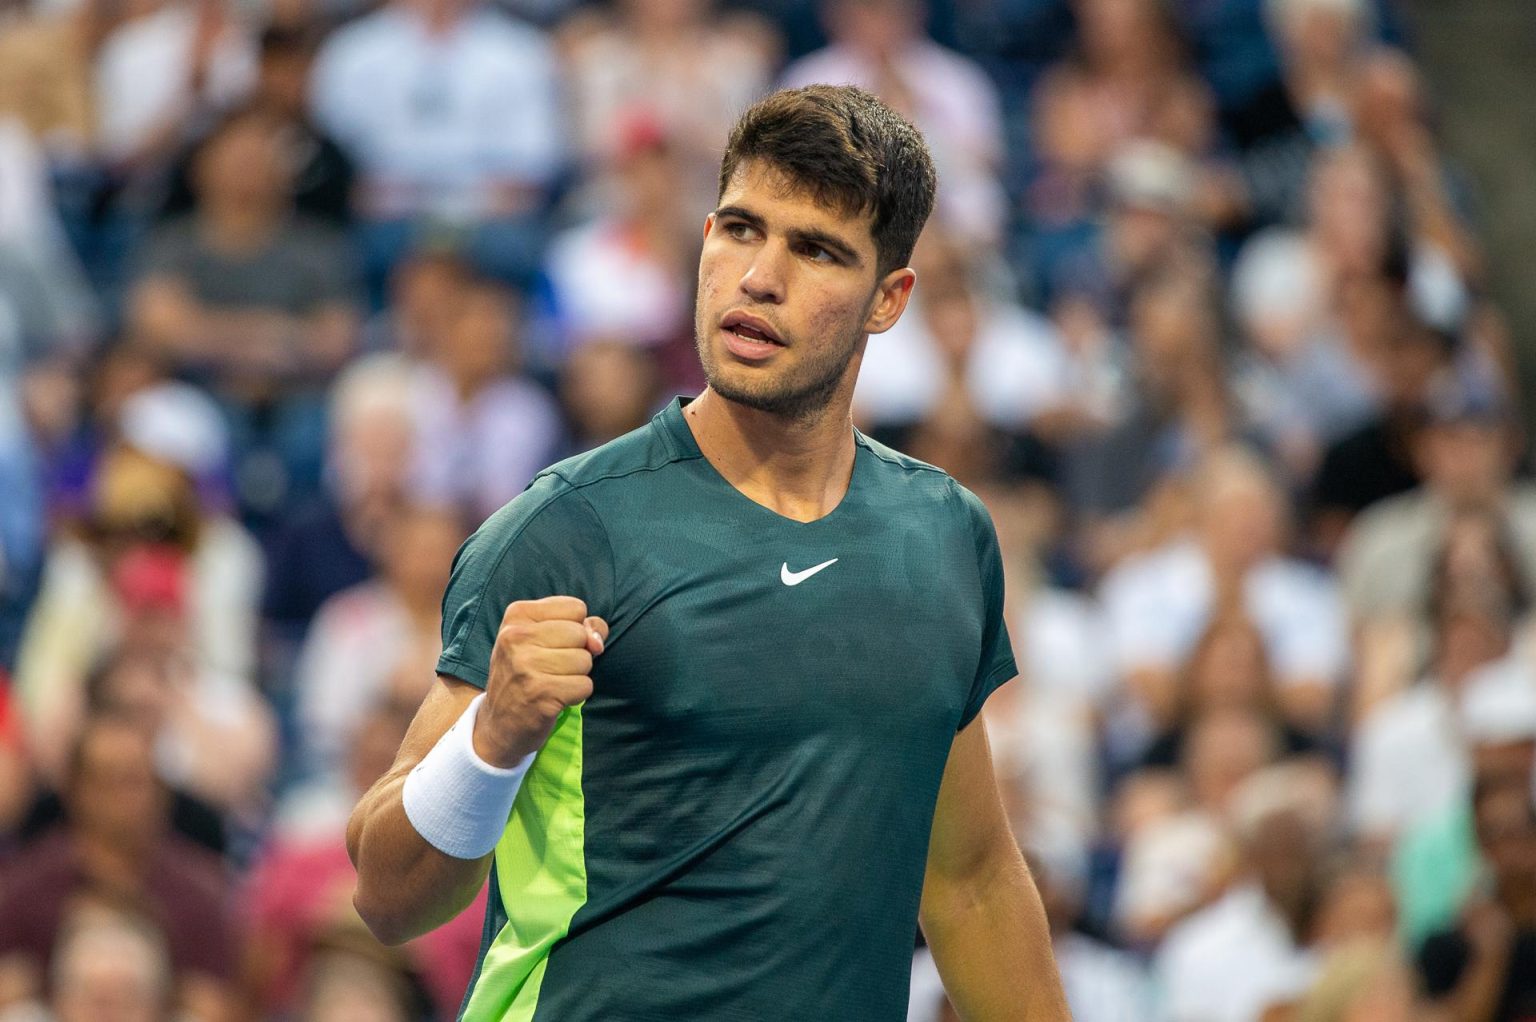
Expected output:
{"points": [[1220, 312]]}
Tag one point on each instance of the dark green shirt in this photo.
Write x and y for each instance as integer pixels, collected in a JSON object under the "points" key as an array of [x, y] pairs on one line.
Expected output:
{"points": [[735, 825]]}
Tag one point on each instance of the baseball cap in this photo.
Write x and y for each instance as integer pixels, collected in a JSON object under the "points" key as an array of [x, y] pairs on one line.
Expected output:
{"points": [[1498, 704]]}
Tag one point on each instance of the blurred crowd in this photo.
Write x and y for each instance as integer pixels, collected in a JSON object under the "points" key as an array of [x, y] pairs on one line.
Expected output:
{"points": [[293, 293]]}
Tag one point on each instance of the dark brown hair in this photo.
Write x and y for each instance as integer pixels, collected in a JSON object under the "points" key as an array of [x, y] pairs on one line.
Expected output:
{"points": [[848, 151]]}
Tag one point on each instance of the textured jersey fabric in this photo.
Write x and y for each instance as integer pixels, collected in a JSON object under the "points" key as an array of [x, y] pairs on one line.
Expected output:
{"points": [[734, 826]]}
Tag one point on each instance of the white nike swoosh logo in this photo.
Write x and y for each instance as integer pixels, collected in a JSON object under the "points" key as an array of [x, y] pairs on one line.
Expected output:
{"points": [[794, 578]]}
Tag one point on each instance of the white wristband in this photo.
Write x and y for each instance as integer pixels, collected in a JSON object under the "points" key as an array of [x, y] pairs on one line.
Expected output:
{"points": [[457, 801]]}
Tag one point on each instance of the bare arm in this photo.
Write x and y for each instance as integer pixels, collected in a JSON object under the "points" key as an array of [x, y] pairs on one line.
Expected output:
{"points": [[406, 887], [540, 665], [981, 913]]}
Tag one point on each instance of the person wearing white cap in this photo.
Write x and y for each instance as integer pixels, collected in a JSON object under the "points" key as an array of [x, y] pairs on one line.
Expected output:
{"points": [[1484, 969], [1436, 864]]}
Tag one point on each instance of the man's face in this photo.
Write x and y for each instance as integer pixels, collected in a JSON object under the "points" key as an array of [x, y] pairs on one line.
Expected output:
{"points": [[788, 291]]}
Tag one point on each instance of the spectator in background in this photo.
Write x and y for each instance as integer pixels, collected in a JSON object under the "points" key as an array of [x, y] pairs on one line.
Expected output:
{"points": [[363, 636], [1485, 969], [1251, 949], [215, 737], [1437, 868], [1296, 382], [1176, 411], [608, 388], [422, 287], [417, 93], [259, 304], [142, 495], [48, 314], [1309, 108], [679, 64], [483, 430], [351, 976], [1160, 603], [116, 844], [962, 336], [321, 172], [1376, 461], [1227, 670], [1148, 226], [333, 541], [1465, 455], [880, 45], [46, 59], [1127, 80], [1411, 753], [646, 238], [1177, 858], [303, 879], [164, 72], [110, 963], [1390, 116], [1364, 981]]}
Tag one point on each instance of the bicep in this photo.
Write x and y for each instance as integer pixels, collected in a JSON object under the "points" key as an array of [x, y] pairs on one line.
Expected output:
{"points": [[970, 828]]}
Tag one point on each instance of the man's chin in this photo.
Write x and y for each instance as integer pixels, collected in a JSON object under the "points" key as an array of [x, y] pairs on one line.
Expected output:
{"points": [[769, 396]]}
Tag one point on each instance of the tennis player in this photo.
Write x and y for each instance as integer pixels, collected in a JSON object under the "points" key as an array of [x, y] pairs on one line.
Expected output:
{"points": [[707, 705]]}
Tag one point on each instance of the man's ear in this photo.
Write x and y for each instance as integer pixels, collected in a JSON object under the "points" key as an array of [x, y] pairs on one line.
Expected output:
{"points": [[709, 224], [891, 296]]}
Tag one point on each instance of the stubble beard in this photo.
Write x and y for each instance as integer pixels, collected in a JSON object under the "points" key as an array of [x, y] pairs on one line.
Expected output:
{"points": [[802, 392]]}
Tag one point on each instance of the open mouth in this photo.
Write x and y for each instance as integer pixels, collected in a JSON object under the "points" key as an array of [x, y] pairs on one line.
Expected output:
{"points": [[750, 328]]}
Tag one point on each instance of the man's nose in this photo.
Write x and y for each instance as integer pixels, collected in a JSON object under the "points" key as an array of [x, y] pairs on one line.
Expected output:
{"points": [[764, 279]]}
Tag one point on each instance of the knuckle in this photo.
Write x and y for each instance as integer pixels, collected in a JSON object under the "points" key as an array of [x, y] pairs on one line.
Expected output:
{"points": [[512, 633]]}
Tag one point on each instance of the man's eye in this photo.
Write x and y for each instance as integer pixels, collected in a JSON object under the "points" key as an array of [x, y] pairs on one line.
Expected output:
{"points": [[817, 254], [738, 230]]}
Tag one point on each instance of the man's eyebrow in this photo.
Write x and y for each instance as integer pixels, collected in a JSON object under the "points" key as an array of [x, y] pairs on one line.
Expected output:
{"points": [[739, 213], [831, 242], [797, 235]]}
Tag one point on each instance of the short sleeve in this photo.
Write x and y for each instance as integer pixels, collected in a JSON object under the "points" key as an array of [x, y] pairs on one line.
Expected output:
{"points": [[547, 542], [995, 665]]}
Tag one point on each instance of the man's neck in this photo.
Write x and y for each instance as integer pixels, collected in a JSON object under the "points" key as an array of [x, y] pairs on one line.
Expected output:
{"points": [[796, 467]]}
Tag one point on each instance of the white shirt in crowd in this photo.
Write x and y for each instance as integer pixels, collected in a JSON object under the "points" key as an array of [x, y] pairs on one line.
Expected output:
{"points": [[437, 122], [1231, 961], [1059, 640], [476, 455], [653, 306], [144, 76], [1412, 756], [1159, 605], [1016, 369], [1408, 761], [356, 642]]}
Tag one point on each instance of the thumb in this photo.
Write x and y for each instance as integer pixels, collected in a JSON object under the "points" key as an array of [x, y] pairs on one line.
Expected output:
{"points": [[597, 635]]}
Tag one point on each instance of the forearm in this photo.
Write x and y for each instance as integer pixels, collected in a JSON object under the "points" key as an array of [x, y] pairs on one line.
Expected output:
{"points": [[405, 886], [992, 945]]}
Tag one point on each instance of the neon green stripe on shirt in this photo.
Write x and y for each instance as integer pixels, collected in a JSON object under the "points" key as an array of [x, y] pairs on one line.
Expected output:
{"points": [[541, 873]]}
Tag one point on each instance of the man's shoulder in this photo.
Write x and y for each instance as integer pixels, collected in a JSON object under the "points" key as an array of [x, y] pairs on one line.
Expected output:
{"points": [[577, 486], [918, 486], [636, 454]]}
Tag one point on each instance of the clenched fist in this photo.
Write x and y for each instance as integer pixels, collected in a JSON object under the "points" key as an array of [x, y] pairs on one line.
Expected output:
{"points": [[541, 663]]}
